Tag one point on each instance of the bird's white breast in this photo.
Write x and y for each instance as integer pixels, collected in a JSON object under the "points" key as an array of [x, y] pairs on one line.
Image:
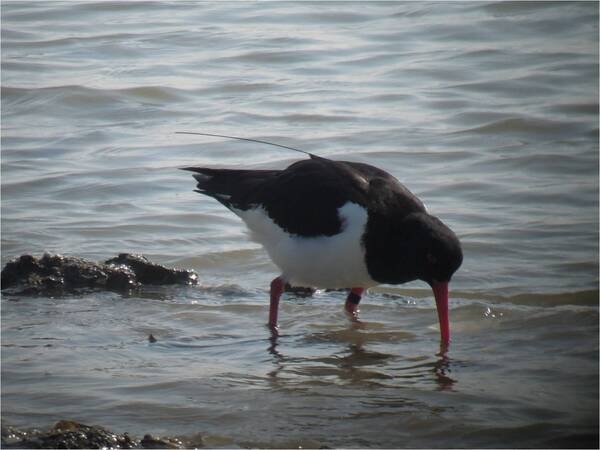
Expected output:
{"points": [[325, 261]]}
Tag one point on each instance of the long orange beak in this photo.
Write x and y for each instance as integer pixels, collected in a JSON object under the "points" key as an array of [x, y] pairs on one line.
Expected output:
{"points": [[440, 291]]}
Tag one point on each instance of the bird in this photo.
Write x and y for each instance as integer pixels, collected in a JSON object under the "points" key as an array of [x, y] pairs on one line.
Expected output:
{"points": [[340, 225]]}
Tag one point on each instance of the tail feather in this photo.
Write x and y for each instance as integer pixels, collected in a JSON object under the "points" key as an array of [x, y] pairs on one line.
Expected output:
{"points": [[234, 188]]}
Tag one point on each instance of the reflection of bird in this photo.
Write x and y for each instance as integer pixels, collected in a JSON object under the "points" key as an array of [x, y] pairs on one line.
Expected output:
{"points": [[441, 369], [338, 224]]}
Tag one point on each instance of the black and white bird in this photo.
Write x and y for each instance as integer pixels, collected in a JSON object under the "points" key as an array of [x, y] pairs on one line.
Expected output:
{"points": [[338, 224]]}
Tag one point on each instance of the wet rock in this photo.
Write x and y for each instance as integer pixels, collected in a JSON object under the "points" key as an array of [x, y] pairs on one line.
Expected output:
{"points": [[12, 437], [300, 291], [150, 273], [151, 442], [57, 274], [66, 434], [71, 434]]}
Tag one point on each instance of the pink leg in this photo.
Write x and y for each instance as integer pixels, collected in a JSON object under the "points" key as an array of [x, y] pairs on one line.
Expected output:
{"points": [[277, 288], [352, 302]]}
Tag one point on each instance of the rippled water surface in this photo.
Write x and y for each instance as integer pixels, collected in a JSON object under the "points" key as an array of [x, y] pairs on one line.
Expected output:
{"points": [[487, 111]]}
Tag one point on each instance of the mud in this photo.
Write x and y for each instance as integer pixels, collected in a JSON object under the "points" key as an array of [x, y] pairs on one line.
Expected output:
{"points": [[56, 274]]}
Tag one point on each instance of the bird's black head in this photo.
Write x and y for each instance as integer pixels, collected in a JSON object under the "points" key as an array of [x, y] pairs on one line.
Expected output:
{"points": [[416, 247], [432, 246]]}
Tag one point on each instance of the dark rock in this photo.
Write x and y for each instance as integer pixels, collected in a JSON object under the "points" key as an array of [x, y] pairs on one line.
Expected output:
{"points": [[150, 273], [151, 442], [52, 274], [121, 278], [151, 338], [71, 434], [66, 434], [11, 436], [300, 291]]}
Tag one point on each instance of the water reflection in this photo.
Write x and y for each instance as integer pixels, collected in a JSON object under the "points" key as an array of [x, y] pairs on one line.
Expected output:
{"points": [[356, 363], [273, 338], [441, 369]]}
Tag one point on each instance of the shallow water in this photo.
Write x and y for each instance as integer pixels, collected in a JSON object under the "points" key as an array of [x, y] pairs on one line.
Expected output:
{"points": [[487, 111]]}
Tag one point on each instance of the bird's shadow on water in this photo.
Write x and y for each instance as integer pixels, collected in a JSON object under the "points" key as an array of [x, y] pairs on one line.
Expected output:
{"points": [[358, 363]]}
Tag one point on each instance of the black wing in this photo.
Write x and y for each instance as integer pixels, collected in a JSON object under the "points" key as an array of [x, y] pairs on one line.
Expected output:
{"points": [[304, 198], [386, 195]]}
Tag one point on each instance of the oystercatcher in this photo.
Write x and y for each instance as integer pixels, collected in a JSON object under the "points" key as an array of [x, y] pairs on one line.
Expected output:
{"points": [[338, 224]]}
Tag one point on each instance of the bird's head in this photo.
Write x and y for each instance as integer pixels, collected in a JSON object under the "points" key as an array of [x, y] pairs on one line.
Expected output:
{"points": [[436, 253], [431, 247], [419, 247]]}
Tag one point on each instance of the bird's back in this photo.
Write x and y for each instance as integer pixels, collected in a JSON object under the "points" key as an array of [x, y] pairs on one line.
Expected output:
{"points": [[304, 198]]}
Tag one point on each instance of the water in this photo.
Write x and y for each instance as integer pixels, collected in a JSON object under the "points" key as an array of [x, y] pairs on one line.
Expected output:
{"points": [[487, 111]]}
